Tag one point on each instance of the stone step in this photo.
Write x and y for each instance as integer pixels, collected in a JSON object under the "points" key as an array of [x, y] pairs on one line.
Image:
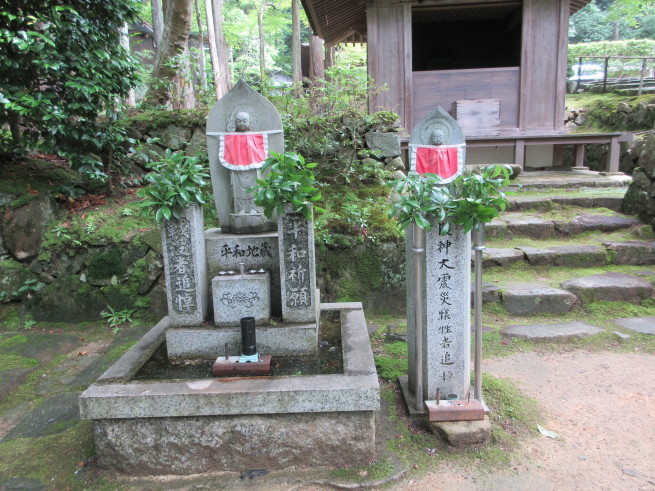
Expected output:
{"points": [[551, 332], [512, 225], [537, 297], [633, 253], [616, 287], [562, 178], [543, 203]]}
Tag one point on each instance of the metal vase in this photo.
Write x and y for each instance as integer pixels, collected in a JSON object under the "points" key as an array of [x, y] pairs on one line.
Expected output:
{"points": [[478, 246]]}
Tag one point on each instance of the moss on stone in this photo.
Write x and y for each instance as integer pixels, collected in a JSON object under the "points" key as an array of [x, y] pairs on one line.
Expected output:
{"points": [[106, 264], [10, 361], [52, 460], [149, 120]]}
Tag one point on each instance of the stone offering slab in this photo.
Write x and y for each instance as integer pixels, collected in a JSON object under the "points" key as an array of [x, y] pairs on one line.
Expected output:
{"points": [[580, 256], [551, 332], [538, 301], [232, 366], [601, 223], [637, 253], [644, 325], [616, 287], [500, 257], [530, 226]]}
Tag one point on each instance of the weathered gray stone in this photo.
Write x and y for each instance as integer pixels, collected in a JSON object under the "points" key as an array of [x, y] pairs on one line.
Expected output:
{"points": [[241, 295], [644, 325], [621, 336], [23, 229], [186, 268], [610, 202], [501, 257], [236, 211], [204, 444], [529, 226], [637, 253], [56, 414], [395, 164], [257, 251], [461, 434], [207, 343], [13, 276], [530, 203], [153, 268], [579, 256], [383, 144], [602, 223], [538, 301], [297, 268], [446, 304], [173, 137], [490, 292], [66, 300], [617, 287], [198, 143], [551, 332], [496, 229]]}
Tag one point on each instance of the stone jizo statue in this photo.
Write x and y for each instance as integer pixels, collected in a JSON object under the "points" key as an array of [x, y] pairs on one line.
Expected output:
{"points": [[437, 146], [242, 128]]}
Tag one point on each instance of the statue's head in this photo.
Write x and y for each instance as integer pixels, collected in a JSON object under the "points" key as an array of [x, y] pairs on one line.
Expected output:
{"points": [[242, 121], [436, 137]]}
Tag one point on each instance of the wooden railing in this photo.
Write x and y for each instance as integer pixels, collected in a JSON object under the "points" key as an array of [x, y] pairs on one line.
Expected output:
{"points": [[606, 59]]}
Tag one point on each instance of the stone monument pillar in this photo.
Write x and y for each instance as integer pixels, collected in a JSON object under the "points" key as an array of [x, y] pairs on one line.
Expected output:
{"points": [[437, 146]]}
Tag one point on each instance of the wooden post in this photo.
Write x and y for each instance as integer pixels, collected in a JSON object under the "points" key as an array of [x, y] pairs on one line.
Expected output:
{"points": [[579, 154], [613, 155], [607, 62], [519, 153], [641, 77]]}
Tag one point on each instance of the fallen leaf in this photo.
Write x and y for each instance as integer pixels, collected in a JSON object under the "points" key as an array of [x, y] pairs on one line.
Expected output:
{"points": [[363, 473], [548, 433]]}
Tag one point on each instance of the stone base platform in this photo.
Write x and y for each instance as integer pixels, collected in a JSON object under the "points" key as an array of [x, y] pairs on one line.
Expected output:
{"points": [[147, 427], [462, 433], [208, 343]]}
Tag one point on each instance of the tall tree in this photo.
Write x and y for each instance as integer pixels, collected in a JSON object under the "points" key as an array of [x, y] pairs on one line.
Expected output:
{"points": [[157, 21], [175, 39], [296, 60], [221, 47], [316, 63], [211, 36], [262, 41], [201, 47]]}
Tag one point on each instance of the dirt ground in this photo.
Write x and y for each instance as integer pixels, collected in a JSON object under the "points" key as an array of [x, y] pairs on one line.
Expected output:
{"points": [[602, 406]]}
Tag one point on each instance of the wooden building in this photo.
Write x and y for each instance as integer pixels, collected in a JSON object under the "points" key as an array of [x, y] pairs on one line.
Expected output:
{"points": [[501, 61]]}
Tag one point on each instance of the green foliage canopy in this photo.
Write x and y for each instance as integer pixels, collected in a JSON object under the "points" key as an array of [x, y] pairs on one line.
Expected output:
{"points": [[61, 65]]}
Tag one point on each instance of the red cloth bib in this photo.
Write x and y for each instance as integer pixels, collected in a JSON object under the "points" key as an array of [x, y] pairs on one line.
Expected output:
{"points": [[244, 150], [436, 160]]}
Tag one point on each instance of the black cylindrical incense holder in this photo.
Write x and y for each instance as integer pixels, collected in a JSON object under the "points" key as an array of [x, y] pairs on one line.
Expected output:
{"points": [[248, 336]]}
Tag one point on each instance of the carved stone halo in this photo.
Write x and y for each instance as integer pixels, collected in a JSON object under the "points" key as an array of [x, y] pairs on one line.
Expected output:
{"points": [[426, 133], [246, 107], [440, 120]]}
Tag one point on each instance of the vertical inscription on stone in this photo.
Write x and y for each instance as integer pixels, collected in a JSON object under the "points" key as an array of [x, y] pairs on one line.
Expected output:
{"points": [[180, 262], [296, 261], [448, 312]]}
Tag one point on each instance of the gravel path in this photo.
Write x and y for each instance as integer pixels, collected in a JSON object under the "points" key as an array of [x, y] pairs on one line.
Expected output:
{"points": [[602, 405]]}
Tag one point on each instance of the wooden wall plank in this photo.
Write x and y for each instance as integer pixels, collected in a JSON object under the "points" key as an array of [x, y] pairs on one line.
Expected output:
{"points": [[387, 57], [443, 87], [542, 83]]}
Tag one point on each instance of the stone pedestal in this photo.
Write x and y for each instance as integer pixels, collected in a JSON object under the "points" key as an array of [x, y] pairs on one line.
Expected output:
{"points": [[186, 268], [447, 316], [241, 295], [297, 268], [225, 251]]}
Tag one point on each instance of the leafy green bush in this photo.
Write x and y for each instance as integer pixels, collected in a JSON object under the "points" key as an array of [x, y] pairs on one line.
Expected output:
{"points": [[61, 66], [176, 182], [287, 179]]}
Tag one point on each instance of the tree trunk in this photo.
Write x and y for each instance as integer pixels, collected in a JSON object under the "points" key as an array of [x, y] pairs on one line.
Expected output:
{"points": [[226, 82], [296, 60], [175, 38], [184, 90], [316, 65], [262, 53], [130, 100], [212, 51], [201, 48], [615, 31], [316, 70], [157, 21], [329, 57]]}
